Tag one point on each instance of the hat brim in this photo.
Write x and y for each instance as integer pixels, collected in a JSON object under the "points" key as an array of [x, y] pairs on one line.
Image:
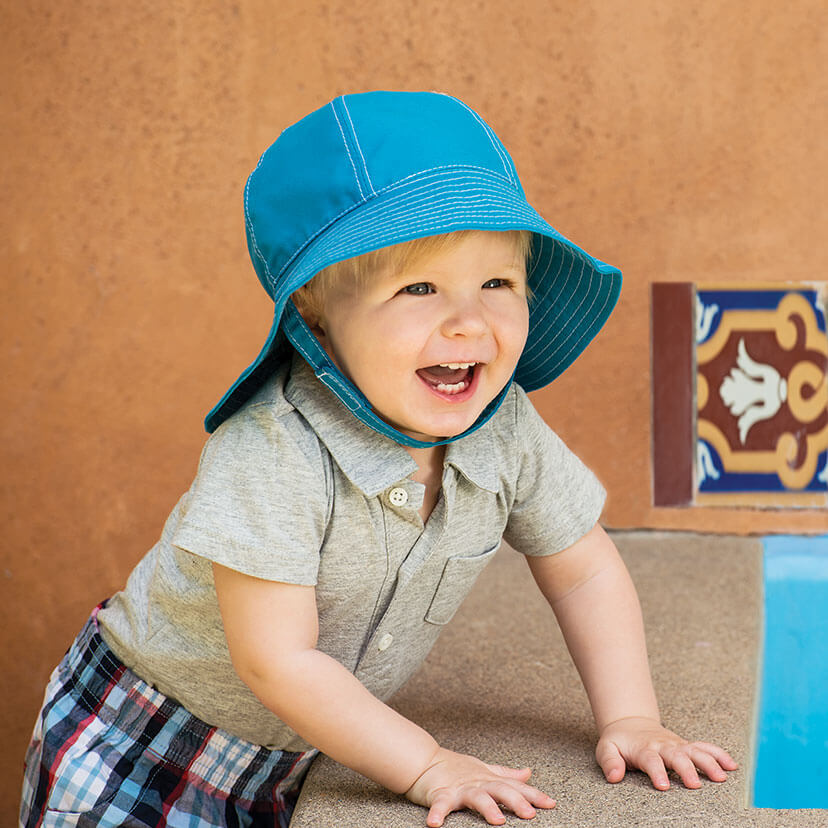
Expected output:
{"points": [[573, 293]]}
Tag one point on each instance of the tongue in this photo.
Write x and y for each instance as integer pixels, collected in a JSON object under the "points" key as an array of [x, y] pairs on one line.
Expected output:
{"points": [[436, 374]]}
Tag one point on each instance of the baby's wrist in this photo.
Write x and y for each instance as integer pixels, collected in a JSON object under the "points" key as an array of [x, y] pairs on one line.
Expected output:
{"points": [[631, 719], [434, 759], [415, 768]]}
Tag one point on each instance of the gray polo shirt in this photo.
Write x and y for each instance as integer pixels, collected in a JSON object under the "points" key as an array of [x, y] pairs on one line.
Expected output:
{"points": [[293, 488]]}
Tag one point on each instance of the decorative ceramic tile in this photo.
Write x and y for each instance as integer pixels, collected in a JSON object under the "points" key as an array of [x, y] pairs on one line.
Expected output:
{"points": [[761, 395]]}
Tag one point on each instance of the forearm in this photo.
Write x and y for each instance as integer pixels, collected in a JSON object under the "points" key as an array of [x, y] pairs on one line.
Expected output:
{"points": [[328, 707], [603, 628], [272, 630], [597, 608]]}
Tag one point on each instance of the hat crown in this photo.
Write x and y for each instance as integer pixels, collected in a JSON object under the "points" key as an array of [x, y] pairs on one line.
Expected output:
{"points": [[348, 152]]}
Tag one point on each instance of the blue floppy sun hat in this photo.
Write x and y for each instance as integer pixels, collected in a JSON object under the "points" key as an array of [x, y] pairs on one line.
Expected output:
{"points": [[374, 169]]}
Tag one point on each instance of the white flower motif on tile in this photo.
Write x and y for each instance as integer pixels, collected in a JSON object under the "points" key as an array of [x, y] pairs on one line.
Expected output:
{"points": [[752, 391]]}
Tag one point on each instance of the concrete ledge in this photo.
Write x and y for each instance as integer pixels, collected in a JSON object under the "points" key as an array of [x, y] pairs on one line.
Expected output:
{"points": [[500, 685]]}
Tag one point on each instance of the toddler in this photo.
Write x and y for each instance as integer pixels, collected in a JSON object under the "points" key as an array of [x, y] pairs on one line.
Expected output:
{"points": [[361, 473]]}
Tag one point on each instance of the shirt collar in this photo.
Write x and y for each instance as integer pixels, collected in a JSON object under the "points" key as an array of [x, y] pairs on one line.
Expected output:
{"points": [[474, 456], [371, 461]]}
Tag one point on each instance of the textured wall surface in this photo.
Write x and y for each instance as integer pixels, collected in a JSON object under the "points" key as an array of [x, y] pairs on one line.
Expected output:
{"points": [[678, 141]]}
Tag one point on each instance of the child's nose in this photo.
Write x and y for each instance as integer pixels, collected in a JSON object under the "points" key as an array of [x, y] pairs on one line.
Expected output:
{"points": [[465, 319]]}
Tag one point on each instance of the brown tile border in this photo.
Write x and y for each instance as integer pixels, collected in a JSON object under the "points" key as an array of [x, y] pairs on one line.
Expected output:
{"points": [[672, 342]]}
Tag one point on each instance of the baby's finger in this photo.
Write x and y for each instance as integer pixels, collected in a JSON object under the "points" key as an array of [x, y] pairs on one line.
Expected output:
{"points": [[653, 765], [437, 814], [515, 801], [442, 806], [484, 803], [521, 799], [611, 761], [721, 756], [538, 798], [475, 798], [683, 765], [708, 764]]}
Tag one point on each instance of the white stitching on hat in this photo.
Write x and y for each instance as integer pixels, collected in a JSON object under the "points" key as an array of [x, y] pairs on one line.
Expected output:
{"points": [[536, 259], [563, 281], [489, 133], [356, 141], [423, 199], [299, 250], [334, 254], [364, 229], [428, 189], [353, 401], [310, 360], [584, 334], [492, 218], [500, 217], [353, 166], [548, 355], [453, 194], [249, 223], [573, 313], [576, 288], [488, 174], [541, 358]]}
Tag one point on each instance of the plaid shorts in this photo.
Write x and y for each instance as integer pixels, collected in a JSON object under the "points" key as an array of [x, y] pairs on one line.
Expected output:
{"points": [[108, 749]]}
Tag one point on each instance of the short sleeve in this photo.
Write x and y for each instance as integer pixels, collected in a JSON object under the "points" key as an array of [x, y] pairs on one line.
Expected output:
{"points": [[259, 503], [557, 498]]}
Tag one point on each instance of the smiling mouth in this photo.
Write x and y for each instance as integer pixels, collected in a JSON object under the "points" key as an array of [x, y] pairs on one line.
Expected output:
{"points": [[449, 378]]}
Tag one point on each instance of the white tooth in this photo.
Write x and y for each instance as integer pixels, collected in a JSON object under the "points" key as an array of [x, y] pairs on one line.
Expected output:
{"points": [[452, 388], [455, 365]]}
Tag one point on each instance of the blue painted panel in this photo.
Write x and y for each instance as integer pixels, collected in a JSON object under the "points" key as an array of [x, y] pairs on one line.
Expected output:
{"points": [[764, 300], [713, 477], [792, 760]]}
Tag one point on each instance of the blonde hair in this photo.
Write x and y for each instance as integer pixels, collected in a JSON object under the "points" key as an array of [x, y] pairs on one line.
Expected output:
{"points": [[309, 299]]}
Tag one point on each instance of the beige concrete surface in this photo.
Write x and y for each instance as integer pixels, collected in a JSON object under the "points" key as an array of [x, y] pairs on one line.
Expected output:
{"points": [[500, 684]]}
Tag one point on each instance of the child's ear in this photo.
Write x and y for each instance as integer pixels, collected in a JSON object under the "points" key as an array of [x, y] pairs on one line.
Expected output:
{"points": [[317, 326], [310, 312], [306, 308]]}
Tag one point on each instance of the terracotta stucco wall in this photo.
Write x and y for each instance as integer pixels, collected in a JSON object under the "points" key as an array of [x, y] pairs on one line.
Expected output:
{"points": [[677, 141]]}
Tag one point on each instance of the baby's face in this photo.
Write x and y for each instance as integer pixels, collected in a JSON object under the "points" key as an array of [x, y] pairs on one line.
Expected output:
{"points": [[431, 347]]}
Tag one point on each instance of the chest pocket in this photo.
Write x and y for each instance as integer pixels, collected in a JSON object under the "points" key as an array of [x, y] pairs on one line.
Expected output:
{"points": [[459, 575]]}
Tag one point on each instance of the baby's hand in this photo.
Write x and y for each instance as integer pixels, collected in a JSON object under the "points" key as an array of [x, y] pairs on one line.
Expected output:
{"points": [[644, 744], [454, 781]]}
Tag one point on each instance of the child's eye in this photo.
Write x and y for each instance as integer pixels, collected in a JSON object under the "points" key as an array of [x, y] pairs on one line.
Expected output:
{"points": [[418, 289], [496, 283]]}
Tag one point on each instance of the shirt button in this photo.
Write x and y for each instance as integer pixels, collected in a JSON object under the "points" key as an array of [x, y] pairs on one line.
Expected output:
{"points": [[398, 496], [385, 642]]}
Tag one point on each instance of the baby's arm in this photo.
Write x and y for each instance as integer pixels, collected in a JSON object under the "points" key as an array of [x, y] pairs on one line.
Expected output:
{"points": [[597, 608], [271, 630]]}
